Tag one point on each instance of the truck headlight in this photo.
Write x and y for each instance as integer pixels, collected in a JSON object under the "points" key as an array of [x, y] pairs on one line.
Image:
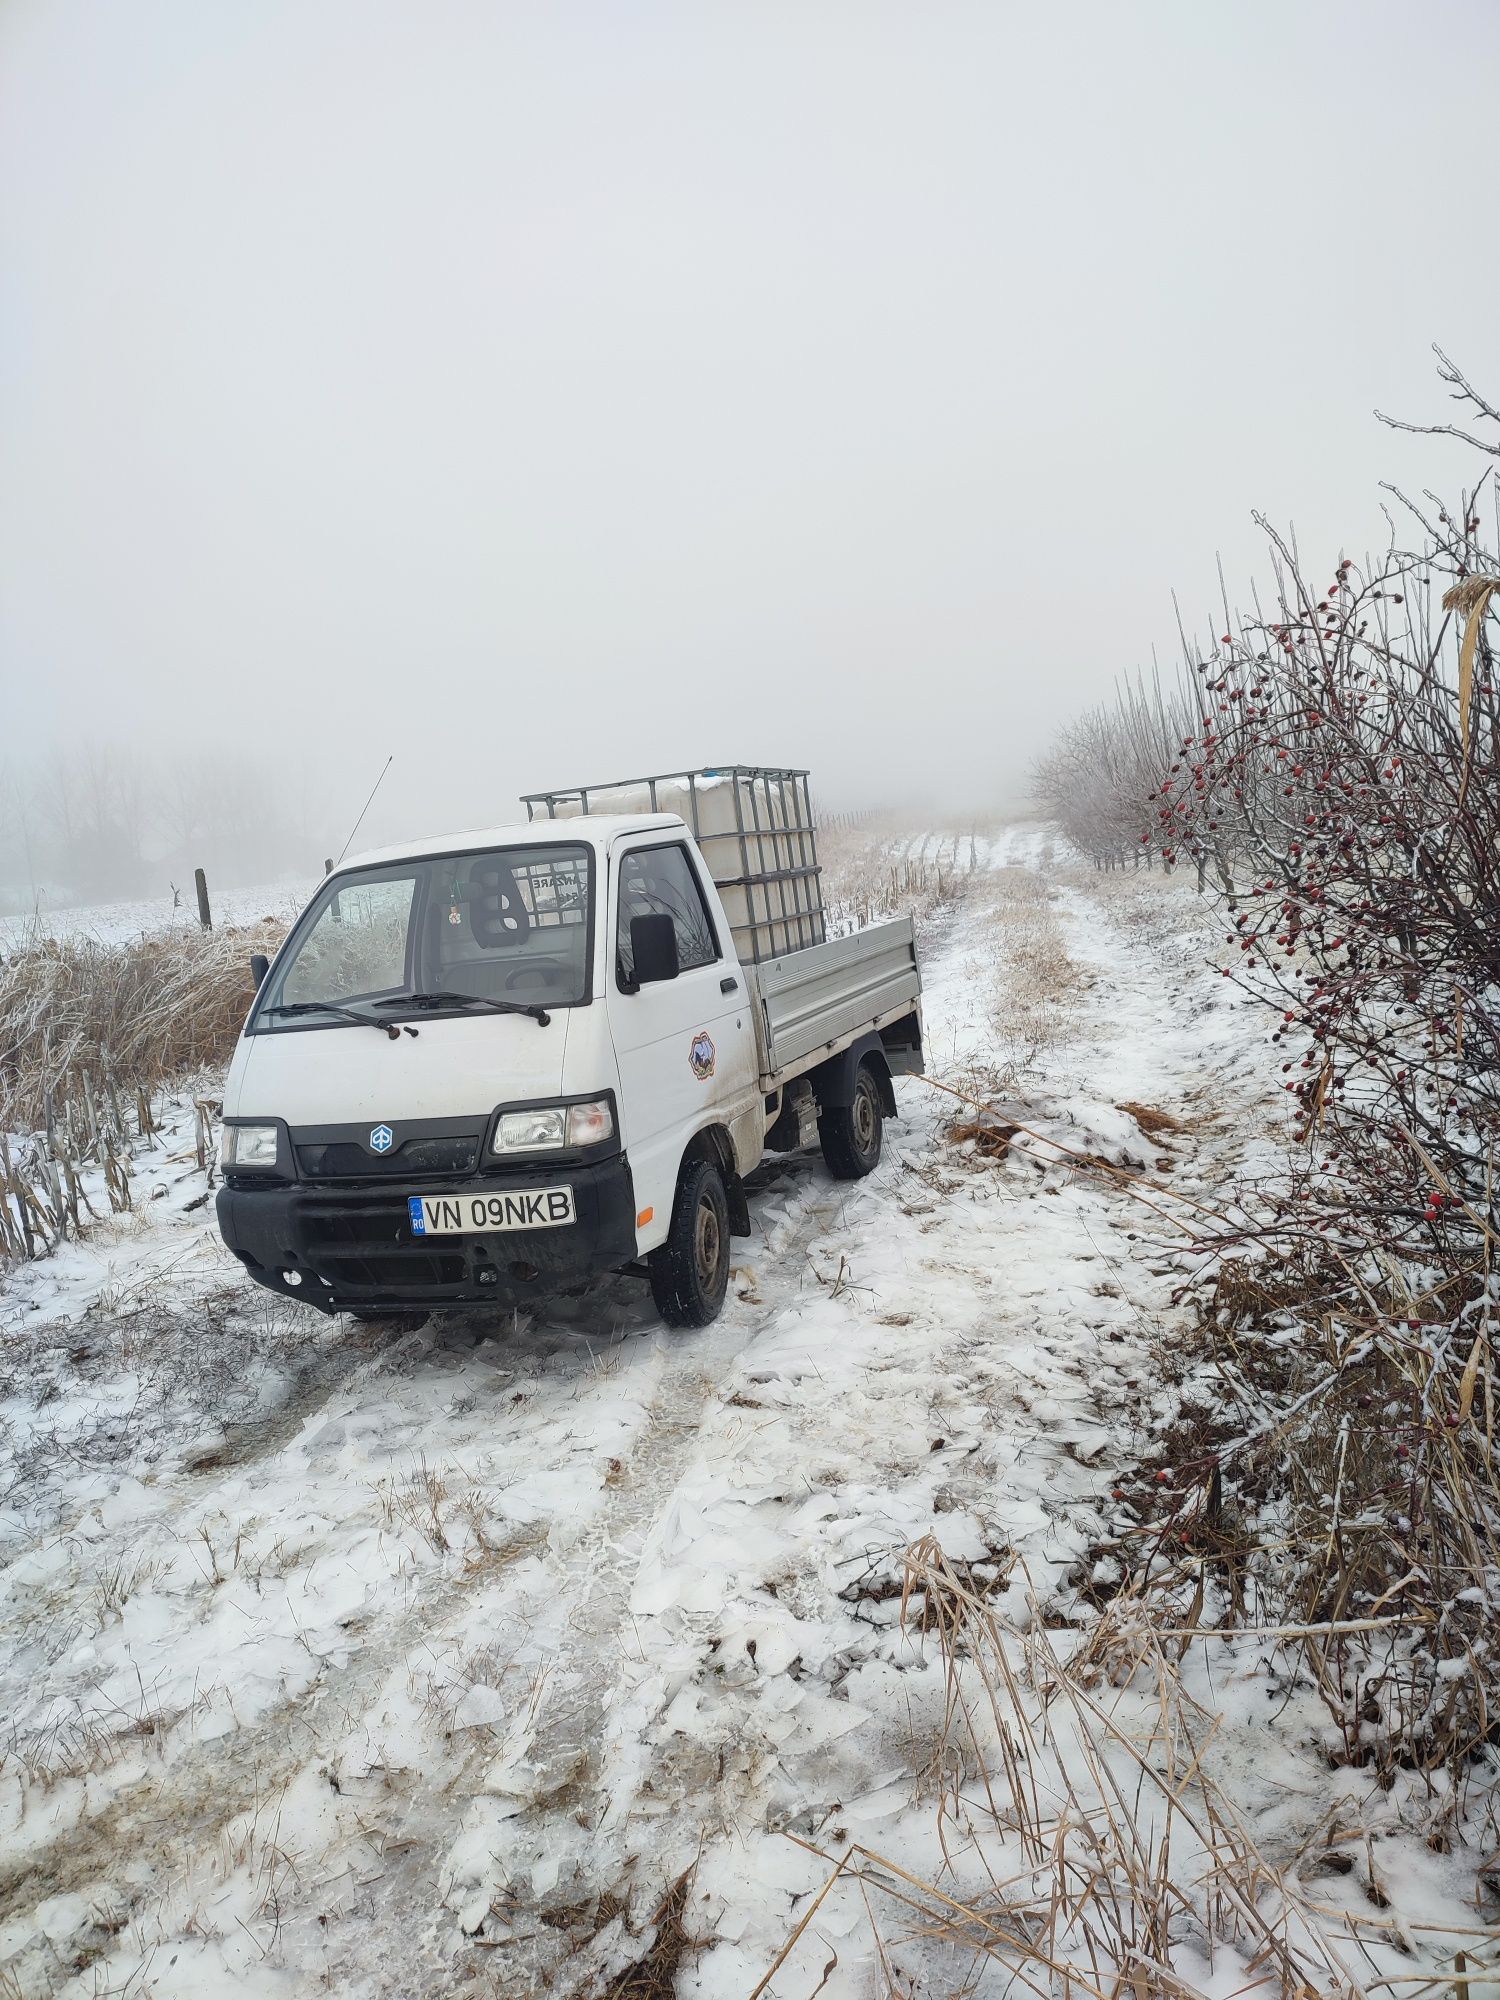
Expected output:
{"points": [[531, 1131], [248, 1146], [550, 1127]]}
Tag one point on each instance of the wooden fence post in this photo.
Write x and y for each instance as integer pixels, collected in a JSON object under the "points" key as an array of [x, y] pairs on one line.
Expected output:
{"points": [[200, 883]]}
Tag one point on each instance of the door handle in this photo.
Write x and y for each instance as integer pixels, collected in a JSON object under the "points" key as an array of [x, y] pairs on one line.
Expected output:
{"points": [[728, 985]]}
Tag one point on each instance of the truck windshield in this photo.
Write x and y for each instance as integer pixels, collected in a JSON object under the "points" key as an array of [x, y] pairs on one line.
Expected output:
{"points": [[509, 924]]}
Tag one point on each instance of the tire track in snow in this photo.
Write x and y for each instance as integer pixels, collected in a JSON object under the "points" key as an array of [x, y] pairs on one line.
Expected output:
{"points": [[554, 1767], [175, 1812]]}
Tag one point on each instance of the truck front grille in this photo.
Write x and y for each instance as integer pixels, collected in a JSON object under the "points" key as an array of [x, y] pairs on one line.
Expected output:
{"points": [[343, 1161], [371, 1247]]}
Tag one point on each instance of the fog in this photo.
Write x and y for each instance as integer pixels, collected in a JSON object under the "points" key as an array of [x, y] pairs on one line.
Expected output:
{"points": [[543, 394]]}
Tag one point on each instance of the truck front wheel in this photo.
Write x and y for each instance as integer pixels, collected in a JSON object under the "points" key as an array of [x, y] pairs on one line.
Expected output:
{"points": [[850, 1134], [690, 1272]]}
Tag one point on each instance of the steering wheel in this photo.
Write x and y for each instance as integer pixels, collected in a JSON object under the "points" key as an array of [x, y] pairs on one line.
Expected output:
{"points": [[540, 972]]}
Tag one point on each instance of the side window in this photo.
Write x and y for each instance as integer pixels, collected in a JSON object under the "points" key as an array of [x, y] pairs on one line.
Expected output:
{"points": [[659, 881]]}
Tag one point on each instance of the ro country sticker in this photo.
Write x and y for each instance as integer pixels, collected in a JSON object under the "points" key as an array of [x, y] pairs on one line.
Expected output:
{"points": [[702, 1054]]}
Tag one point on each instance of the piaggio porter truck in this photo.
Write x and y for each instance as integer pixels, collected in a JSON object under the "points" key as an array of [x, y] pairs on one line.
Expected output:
{"points": [[488, 1066]]}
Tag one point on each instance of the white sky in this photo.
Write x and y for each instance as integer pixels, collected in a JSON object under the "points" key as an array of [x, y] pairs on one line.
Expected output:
{"points": [[544, 392]]}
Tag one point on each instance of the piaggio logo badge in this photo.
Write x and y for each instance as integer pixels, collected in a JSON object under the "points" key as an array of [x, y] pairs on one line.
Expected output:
{"points": [[701, 1055], [382, 1139]]}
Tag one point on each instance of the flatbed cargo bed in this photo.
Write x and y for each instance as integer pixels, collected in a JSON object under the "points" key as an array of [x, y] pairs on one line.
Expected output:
{"points": [[810, 1004]]}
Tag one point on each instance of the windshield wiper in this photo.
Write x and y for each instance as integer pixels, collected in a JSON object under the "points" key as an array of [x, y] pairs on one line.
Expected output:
{"points": [[534, 1008], [344, 1014]]}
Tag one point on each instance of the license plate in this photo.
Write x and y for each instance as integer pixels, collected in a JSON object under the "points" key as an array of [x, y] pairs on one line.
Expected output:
{"points": [[481, 1214]]}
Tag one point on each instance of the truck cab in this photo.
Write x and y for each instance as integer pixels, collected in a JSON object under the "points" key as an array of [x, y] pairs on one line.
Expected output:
{"points": [[488, 1066]]}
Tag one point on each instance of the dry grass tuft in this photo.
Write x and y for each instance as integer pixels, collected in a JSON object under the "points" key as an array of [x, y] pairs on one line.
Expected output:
{"points": [[988, 1135], [1035, 986], [653, 1976], [1150, 1120]]}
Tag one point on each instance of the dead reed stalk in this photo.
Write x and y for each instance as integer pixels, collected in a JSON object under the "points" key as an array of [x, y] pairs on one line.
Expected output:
{"points": [[79, 1015], [1089, 1854], [88, 1031]]}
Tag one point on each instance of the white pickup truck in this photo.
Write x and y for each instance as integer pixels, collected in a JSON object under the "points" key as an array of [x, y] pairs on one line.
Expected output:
{"points": [[486, 1066]]}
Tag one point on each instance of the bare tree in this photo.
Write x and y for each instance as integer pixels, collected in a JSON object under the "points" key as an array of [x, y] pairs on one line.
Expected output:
{"points": [[1102, 768]]}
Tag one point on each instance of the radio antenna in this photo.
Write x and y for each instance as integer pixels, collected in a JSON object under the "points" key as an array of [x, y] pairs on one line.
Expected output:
{"points": [[366, 806]]}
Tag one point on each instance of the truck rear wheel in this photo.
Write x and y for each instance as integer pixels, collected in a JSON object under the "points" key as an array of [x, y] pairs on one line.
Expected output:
{"points": [[850, 1134], [690, 1272]]}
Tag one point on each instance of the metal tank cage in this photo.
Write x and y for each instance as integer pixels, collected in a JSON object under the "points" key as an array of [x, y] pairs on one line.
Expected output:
{"points": [[790, 890]]}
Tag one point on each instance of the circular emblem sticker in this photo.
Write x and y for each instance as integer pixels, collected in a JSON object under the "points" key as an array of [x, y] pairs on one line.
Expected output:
{"points": [[701, 1055]]}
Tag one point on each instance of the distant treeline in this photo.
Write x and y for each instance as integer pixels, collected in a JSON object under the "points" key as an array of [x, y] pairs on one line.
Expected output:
{"points": [[97, 821]]}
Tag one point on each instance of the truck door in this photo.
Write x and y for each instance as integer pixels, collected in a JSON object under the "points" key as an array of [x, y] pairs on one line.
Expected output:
{"points": [[685, 1046]]}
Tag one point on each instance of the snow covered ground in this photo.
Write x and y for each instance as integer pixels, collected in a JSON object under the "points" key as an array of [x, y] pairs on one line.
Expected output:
{"points": [[119, 923], [336, 1658]]}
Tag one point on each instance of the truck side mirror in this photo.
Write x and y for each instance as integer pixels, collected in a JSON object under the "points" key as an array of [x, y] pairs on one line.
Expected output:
{"points": [[653, 949], [260, 965]]}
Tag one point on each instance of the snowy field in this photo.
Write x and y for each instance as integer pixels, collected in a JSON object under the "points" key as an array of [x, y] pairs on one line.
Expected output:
{"points": [[479, 1659], [119, 923]]}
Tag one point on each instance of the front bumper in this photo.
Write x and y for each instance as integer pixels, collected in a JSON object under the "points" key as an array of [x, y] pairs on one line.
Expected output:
{"points": [[352, 1247]]}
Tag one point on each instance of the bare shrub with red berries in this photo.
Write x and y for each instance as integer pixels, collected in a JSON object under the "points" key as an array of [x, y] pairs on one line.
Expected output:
{"points": [[1340, 781], [1350, 791]]}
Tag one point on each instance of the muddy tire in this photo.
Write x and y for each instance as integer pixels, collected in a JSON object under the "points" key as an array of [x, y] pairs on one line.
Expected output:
{"points": [[690, 1271], [851, 1134]]}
